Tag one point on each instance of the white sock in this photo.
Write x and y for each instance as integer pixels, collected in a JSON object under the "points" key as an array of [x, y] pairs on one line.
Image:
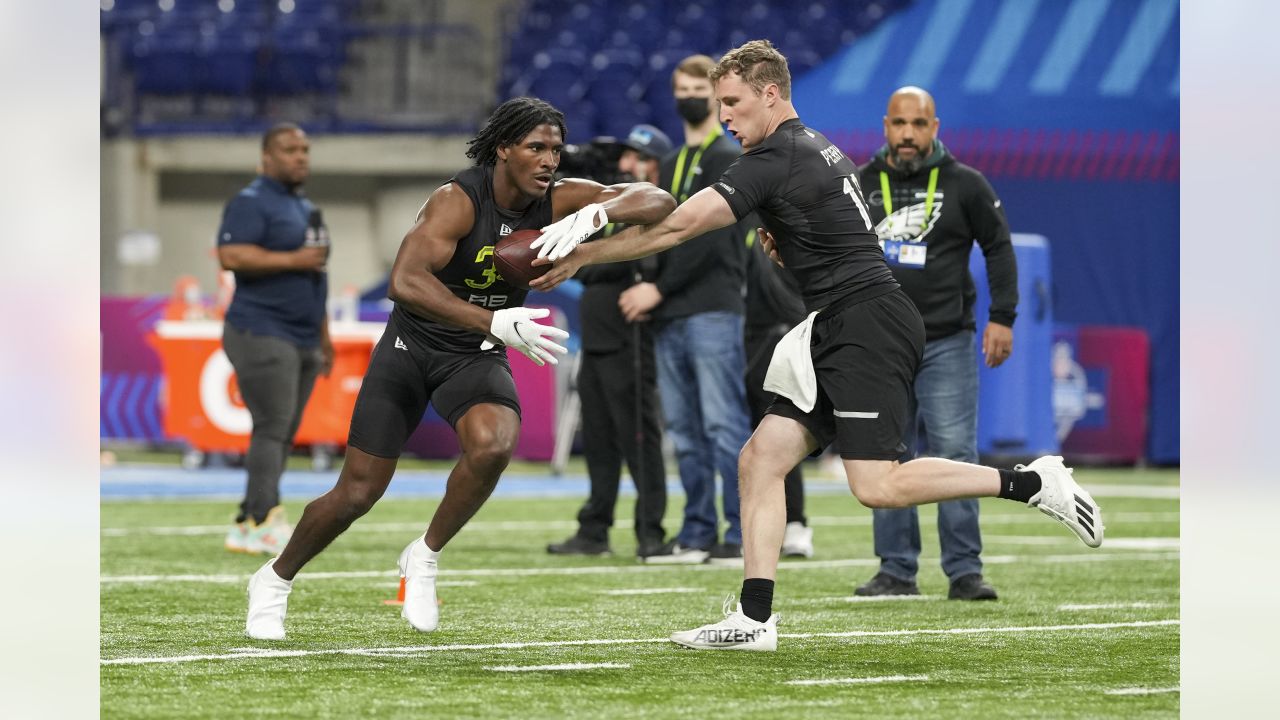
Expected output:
{"points": [[431, 555]]}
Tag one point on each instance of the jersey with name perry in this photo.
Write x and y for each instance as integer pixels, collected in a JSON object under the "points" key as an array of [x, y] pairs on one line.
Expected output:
{"points": [[807, 195], [470, 274]]}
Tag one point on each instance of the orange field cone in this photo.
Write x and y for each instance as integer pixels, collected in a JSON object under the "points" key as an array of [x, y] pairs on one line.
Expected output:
{"points": [[399, 600]]}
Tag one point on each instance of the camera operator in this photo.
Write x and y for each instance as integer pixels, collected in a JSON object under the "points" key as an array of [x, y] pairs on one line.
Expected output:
{"points": [[617, 379]]}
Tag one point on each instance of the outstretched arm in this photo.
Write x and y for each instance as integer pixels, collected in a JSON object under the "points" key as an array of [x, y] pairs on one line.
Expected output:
{"points": [[584, 207], [700, 214]]}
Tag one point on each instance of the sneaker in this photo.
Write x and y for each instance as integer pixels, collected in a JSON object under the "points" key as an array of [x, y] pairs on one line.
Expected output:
{"points": [[735, 632], [797, 540], [578, 545], [673, 553], [419, 573], [886, 584], [971, 587], [1065, 501], [270, 536], [237, 539], [268, 603], [727, 554], [649, 548]]}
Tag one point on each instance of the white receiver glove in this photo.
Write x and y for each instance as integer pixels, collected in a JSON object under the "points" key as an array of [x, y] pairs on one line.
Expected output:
{"points": [[515, 328], [560, 238]]}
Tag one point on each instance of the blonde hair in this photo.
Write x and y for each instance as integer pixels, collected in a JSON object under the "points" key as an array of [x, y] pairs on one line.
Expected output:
{"points": [[759, 64], [696, 66]]}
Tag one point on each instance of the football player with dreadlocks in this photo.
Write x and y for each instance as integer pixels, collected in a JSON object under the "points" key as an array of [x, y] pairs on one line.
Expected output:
{"points": [[443, 345]]}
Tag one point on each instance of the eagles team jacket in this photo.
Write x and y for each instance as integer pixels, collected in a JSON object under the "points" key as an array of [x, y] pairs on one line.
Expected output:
{"points": [[927, 222]]}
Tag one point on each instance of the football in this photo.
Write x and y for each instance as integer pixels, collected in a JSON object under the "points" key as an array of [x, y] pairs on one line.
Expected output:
{"points": [[512, 258]]}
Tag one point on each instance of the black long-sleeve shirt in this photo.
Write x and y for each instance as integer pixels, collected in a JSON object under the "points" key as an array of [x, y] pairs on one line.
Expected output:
{"points": [[707, 273], [928, 242]]}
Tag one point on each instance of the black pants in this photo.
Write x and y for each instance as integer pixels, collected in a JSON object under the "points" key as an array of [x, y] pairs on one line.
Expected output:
{"points": [[275, 379], [607, 388], [760, 342]]}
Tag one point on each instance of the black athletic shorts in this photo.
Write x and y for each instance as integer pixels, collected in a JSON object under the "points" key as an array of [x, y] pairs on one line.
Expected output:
{"points": [[866, 357], [404, 375]]}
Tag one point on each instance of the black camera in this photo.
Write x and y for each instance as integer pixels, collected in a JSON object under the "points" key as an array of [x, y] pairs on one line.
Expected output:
{"points": [[596, 160]]}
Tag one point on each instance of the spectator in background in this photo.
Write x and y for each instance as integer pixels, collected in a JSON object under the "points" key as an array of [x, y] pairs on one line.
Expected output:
{"points": [[696, 302], [929, 209], [276, 331], [618, 387], [774, 306]]}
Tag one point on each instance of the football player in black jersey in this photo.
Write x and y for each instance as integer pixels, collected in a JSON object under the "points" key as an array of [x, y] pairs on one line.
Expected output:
{"points": [[442, 345], [847, 372]]}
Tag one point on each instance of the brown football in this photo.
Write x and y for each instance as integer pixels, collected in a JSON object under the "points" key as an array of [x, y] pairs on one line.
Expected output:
{"points": [[512, 258]]}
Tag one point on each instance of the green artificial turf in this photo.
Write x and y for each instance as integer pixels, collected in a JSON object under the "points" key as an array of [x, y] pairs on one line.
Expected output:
{"points": [[170, 592]]}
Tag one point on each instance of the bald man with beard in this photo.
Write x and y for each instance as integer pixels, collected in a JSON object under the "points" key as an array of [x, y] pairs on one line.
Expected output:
{"points": [[928, 210]]}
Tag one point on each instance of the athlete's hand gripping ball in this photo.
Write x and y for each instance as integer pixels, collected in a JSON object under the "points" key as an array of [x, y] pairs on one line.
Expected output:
{"points": [[515, 328], [560, 238]]}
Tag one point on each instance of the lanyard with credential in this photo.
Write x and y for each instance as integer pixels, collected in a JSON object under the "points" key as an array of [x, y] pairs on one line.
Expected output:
{"points": [[928, 197], [682, 192]]}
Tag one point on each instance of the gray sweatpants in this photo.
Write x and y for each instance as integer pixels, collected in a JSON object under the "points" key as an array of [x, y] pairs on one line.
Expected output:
{"points": [[275, 378]]}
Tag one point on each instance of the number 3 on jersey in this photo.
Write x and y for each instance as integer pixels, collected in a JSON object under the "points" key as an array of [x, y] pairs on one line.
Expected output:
{"points": [[852, 189]]}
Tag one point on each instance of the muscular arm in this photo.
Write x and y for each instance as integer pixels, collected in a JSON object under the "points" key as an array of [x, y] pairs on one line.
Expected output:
{"points": [[445, 219], [700, 214], [250, 258], [631, 203]]}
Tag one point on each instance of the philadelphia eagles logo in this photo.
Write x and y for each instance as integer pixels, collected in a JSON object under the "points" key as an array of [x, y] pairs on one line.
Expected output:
{"points": [[908, 224]]}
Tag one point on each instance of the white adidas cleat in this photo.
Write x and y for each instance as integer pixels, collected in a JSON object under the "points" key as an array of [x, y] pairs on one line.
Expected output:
{"points": [[268, 603], [419, 572], [797, 540], [1063, 499], [735, 632]]}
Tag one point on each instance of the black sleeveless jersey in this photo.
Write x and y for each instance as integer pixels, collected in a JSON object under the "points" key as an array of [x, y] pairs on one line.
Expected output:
{"points": [[806, 193], [470, 274]]}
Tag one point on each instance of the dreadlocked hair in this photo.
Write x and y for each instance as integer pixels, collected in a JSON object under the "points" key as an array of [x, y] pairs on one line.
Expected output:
{"points": [[509, 124]]}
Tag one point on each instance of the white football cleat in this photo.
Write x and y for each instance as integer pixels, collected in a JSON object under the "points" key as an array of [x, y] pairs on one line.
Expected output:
{"points": [[268, 603], [797, 540], [419, 572], [1062, 499], [735, 632]]}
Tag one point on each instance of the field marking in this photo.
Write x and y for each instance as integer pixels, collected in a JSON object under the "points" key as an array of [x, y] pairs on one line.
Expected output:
{"points": [[651, 591], [1162, 492], [612, 569], [863, 599], [532, 525], [861, 680], [1142, 691], [423, 649], [1113, 606], [1111, 543], [562, 666]]}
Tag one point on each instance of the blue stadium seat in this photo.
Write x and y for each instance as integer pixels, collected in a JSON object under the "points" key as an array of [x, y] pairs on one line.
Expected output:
{"points": [[165, 65], [230, 60]]}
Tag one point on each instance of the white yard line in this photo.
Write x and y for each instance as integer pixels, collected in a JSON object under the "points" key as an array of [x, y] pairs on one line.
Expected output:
{"points": [[562, 666], [1112, 543], [537, 525], [1142, 691], [1112, 606], [613, 569], [861, 680], [424, 649], [651, 591], [1161, 492]]}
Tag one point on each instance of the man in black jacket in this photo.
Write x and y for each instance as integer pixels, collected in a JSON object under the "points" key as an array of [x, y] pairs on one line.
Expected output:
{"points": [[929, 209], [697, 306], [618, 387]]}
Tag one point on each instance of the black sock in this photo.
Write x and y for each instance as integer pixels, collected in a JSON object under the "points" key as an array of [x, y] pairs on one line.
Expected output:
{"points": [[1018, 485], [757, 598]]}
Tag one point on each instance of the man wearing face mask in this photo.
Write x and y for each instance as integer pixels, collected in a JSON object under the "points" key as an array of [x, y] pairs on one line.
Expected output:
{"points": [[696, 302], [618, 387]]}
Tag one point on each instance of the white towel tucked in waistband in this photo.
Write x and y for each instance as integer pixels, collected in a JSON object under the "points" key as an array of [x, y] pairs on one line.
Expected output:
{"points": [[791, 369]]}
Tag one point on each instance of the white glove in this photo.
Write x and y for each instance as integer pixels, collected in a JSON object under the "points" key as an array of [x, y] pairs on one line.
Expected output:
{"points": [[515, 328], [560, 238]]}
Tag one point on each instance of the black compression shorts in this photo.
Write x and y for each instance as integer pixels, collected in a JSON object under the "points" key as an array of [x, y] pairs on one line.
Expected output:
{"points": [[866, 357], [404, 375]]}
